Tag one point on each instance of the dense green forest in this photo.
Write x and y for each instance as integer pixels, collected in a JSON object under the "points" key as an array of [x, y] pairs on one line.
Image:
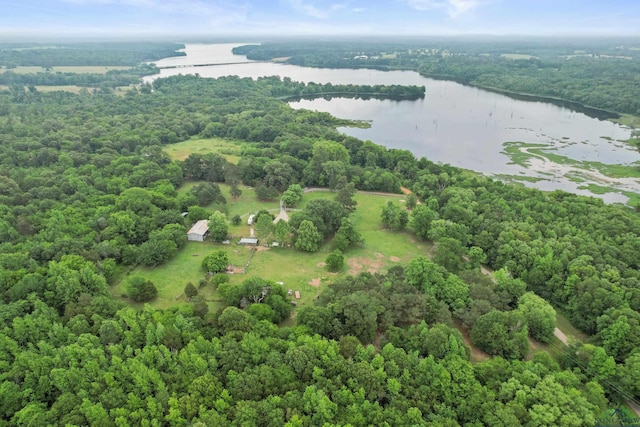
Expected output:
{"points": [[80, 55], [87, 192], [111, 79], [85, 54], [602, 73]]}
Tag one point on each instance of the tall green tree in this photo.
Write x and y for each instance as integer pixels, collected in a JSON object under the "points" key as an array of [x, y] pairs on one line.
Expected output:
{"points": [[308, 238], [283, 233], [218, 226], [216, 261], [335, 260], [140, 289], [421, 218], [501, 333], [347, 235], [540, 316], [394, 217]]}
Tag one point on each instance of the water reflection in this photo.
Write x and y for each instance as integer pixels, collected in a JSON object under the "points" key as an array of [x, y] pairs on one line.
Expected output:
{"points": [[456, 124]]}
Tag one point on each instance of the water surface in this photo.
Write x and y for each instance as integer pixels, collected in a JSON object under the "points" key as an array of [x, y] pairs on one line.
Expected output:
{"points": [[456, 124]]}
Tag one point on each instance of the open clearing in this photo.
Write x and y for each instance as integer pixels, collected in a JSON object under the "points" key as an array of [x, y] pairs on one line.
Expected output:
{"points": [[298, 270], [227, 148], [184, 267]]}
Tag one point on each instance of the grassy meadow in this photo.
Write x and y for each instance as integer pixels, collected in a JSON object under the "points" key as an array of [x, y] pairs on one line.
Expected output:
{"points": [[298, 270], [181, 150]]}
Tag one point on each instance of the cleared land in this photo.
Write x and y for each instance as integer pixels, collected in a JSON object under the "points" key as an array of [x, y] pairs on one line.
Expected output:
{"points": [[227, 148], [298, 270]]}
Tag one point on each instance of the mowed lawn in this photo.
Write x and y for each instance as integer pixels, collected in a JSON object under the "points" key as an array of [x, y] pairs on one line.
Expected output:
{"points": [[184, 267], [227, 148], [298, 270]]}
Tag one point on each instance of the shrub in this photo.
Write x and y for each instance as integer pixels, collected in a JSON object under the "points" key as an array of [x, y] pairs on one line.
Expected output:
{"points": [[141, 289]]}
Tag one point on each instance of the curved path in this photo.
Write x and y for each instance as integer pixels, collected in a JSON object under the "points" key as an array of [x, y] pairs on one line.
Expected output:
{"points": [[282, 215]]}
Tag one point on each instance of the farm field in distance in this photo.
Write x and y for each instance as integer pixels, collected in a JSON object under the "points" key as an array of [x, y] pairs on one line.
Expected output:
{"points": [[79, 69]]}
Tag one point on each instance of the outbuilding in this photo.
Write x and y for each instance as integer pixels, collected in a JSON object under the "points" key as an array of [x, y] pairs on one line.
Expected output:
{"points": [[248, 242], [199, 231]]}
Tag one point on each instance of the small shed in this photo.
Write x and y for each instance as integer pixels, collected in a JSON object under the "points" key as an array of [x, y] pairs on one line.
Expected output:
{"points": [[199, 231], [297, 293], [248, 242]]}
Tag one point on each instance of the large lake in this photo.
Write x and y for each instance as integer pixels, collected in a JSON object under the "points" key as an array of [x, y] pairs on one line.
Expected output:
{"points": [[456, 124]]}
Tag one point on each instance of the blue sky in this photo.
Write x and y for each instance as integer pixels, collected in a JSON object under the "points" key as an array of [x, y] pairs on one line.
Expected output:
{"points": [[290, 17]]}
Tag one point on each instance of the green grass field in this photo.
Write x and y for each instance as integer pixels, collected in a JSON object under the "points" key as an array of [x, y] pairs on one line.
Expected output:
{"points": [[229, 149], [184, 267], [298, 270]]}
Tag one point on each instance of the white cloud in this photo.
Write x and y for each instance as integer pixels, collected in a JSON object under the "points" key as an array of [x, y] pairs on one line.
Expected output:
{"points": [[453, 7], [181, 7], [313, 10]]}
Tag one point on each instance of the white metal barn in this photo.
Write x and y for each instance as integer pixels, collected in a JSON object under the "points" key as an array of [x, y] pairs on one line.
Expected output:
{"points": [[199, 231]]}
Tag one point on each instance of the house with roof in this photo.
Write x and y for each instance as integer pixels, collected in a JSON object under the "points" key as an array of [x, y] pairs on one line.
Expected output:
{"points": [[199, 231]]}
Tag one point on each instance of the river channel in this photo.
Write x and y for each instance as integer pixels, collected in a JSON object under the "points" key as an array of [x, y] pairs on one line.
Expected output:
{"points": [[456, 124]]}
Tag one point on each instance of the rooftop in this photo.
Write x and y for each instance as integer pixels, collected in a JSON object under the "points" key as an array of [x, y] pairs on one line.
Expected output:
{"points": [[248, 241], [199, 227]]}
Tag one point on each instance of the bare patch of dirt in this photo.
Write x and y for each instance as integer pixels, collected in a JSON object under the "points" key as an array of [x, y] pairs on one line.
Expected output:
{"points": [[261, 248], [405, 190], [315, 282], [321, 264], [377, 340], [394, 258], [360, 264], [378, 255], [561, 336]]}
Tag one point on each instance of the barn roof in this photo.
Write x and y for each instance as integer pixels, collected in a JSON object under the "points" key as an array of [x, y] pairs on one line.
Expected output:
{"points": [[200, 227], [248, 241]]}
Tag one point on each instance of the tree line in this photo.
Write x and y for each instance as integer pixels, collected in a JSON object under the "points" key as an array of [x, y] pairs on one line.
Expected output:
{"points": [[600, 73], [111, 79], [85, 54]]}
